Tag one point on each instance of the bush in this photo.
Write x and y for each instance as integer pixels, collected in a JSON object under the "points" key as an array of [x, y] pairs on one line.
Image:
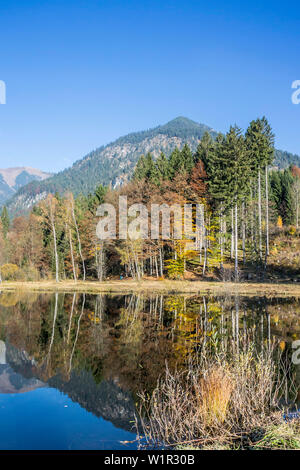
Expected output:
{"points": [[225, 401], [283, 437], [10, 272], [30, 273]]}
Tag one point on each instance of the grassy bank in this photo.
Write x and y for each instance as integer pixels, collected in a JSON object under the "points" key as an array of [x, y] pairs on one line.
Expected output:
{"points": [[225, 401], [159, 286]]}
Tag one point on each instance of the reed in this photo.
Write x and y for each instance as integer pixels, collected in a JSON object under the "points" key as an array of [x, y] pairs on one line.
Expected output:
{"points": [[222, 401]]}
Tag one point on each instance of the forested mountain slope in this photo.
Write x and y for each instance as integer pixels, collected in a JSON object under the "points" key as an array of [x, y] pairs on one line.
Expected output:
{"points": [[12, 179], [114, 163]]}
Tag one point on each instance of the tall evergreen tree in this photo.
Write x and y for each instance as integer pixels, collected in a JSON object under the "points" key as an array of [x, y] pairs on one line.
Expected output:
{"points": [[5, 221], [205, 148], [217, 166], [162, 167], [260, 146], [181, 161], [144, 168], [187, 158], [238, 173]]}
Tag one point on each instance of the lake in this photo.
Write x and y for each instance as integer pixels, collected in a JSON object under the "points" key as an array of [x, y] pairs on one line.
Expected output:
{"points": [[72, 366]]}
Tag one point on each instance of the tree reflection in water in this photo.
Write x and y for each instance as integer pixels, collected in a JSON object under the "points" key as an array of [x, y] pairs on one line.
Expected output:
{"points": [[102, 350]]}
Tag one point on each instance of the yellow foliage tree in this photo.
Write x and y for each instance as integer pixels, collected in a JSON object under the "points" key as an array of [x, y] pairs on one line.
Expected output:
{"points": [[9, 271], [279, 222]]}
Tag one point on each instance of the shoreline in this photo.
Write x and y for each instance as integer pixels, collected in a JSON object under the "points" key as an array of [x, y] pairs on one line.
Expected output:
{"points": [[156, 287]]}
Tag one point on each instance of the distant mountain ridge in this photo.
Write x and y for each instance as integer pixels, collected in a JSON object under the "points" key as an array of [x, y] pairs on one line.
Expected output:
{"points": [[114, 163], [12, 179], [19, 374]]}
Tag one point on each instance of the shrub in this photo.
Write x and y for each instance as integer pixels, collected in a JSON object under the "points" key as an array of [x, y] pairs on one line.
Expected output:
{"points": [[283, 437], [213, 394], [279, 222], [225, 400], [30, 273], [9, 272]]}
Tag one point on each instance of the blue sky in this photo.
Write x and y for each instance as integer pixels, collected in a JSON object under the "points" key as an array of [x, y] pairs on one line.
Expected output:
{"points": [[81, 73]]}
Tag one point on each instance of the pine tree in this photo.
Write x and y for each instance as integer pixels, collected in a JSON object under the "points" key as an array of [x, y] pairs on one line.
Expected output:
{"points": [[216, 164], [177, 162], [260, 145], [276, 189], [5, 221], [187, 158], [238, 173], [287, 197], [205, 148], [282, 194], [145, 168], [162, 167]]}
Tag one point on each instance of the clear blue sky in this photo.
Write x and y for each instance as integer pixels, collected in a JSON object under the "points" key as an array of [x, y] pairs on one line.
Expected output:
{"points": [[81, 73]]}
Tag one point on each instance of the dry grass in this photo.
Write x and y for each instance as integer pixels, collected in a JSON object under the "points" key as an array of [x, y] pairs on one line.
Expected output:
{"points": [[222, 402], [159, 286], [212, 395]]}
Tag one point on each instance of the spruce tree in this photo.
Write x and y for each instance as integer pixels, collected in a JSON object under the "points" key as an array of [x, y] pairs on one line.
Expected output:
{"points": [[175, 163], [260, 146], [5, 221], [187, 158], [216, 164], [163, 166], [205, 148], [144, 168], [238, 173], [287, 211]]}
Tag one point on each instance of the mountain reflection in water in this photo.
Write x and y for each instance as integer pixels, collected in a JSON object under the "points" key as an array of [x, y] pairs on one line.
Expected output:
{"points": [[100, 351], [11, 381]]}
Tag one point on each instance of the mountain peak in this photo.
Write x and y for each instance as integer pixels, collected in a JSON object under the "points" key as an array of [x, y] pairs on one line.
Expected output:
{"points": [[114, 163], [10, 175], [12, 179], [184, 125], [182, 120]]}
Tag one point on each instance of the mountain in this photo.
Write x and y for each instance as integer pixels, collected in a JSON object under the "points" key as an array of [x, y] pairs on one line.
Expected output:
{"points": [[106, 399], [10, 380], [12, 179], [20, 374], [114, 163], [285, 159]]}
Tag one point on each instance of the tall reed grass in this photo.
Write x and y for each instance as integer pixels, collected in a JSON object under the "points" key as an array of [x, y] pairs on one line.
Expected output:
{"points": [[223, 400]]}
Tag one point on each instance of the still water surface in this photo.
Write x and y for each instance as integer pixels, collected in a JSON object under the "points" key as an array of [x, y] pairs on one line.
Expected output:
{"points": [[72, 365]]}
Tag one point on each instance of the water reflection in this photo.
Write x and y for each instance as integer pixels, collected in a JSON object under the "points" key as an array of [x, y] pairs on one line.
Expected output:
{"points": [[10, 380], [102, 350]]}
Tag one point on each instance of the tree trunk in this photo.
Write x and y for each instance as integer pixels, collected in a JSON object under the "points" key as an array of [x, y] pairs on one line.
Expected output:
{"points": [[55, 243], [221, 238], [236, 267], [53, 327], [156, 266], [267, 213], [205, 252], [161, 265], [232, 234], [72, 255], [259, 215], [244, 232], [77, 332], [79, 242]]}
